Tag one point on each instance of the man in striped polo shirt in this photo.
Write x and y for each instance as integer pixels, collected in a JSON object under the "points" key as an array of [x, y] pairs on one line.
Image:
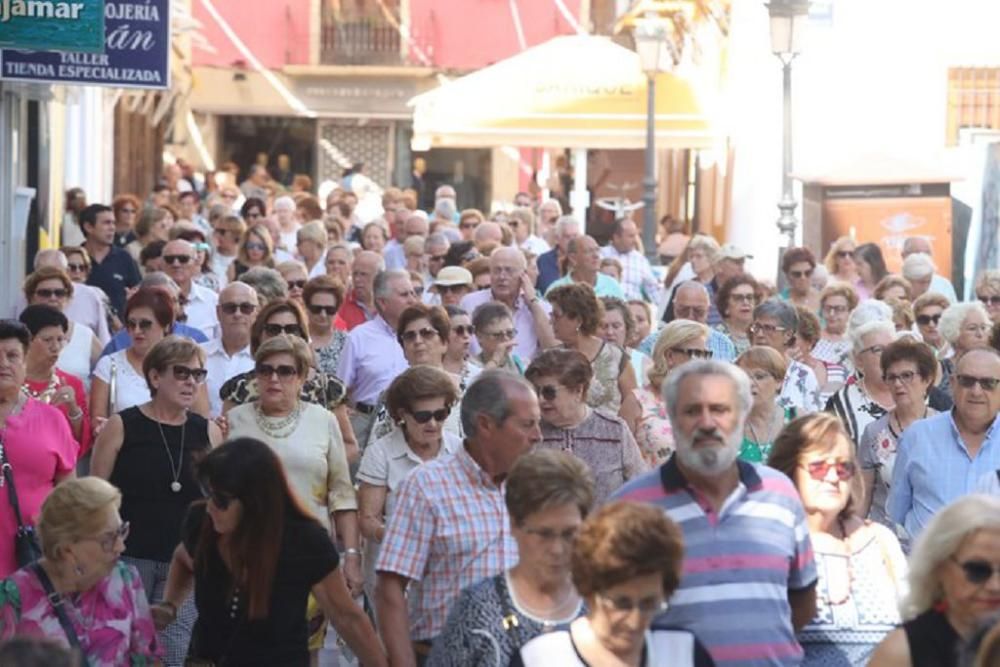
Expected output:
{"points": [[749, 576]]}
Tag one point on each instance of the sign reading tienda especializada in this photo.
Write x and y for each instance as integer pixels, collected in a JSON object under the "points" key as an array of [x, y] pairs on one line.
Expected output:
{"points": [[62, 25]]}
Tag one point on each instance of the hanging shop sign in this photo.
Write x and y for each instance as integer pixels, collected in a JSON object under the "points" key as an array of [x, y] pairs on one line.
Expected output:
{"points": [[52, 24], [136, 52]]}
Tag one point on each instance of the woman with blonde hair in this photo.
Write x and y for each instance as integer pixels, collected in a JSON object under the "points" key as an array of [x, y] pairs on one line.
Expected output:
{"points": [[840, 261], [953, 586], [256, 249], [311, 242], [893, 287], [766, 368], [702, 254]]}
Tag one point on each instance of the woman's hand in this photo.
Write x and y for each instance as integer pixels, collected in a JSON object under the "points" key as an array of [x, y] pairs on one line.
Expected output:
{"points": [[502, 352], [352, 574], [223, 423], [99, 423], [163, 613], [65, 395]]}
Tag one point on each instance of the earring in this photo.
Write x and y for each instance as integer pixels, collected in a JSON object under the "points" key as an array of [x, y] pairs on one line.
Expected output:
{"points": [[78, 570]]}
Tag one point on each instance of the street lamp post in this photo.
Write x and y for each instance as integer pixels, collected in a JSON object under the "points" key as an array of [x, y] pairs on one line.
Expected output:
{"points": [[788, 22]]}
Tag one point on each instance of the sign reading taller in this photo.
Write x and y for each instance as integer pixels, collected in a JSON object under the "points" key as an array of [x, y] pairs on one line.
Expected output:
{"points": [[59, 25]]}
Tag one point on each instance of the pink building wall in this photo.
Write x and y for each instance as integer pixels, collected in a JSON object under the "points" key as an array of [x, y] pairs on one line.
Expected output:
{"points": [[275, 31]]}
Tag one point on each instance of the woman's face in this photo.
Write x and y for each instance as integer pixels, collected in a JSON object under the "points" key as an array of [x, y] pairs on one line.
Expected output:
{"points": [[763, 386], [322, 308], [845, 259], [281, 323], [419, 429], [908, 388], [296, 279], [161, 228], [768, 331], [545, 540], [256, 248], [678, 354], [77, 268], [699, 261], [975, 332], [494, 334], [564, 327], [800, 277], [836, 310], [927, 323], [51, 292], [373, 240], [991, 299], [144, 329], [895, 292], [461, 336], [823, 477], [47, 344], [558, 403], [422, 343], [338, 264], [613, 326], [741, 304], [11, 365], [278, 380], [178, 384], [96, 555], [643, 326], [972, 602], [620, 615], [225, 512], [864, 269]]}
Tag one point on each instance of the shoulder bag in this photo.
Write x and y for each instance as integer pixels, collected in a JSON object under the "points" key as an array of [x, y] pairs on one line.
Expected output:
{"points": [[57, 603], [113, 387], [26, 547]]}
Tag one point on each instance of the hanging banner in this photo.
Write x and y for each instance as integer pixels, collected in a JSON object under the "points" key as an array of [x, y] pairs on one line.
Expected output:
{"points": [[52, 24], [136, 51]]}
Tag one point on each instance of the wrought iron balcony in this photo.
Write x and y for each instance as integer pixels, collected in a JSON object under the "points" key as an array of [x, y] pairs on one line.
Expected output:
{"points": [[368, 41]]}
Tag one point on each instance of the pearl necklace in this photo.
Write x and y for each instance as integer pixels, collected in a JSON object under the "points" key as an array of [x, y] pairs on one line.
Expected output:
{"points": [[278, 427], [46, 394]]}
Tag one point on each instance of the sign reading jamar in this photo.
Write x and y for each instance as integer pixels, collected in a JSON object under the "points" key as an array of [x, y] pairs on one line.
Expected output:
{"points": [[71, 25]]}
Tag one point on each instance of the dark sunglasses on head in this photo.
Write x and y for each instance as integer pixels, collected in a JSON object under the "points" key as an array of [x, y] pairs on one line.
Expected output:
{"points": [[278, 329], [818, 470], [183, 373], [295, 284], [323, 310], [977, 572], [970, 381], [547, 392], [692, 352], [425, 333], [141, 325], [925, 320], [464, 329], [176, 259], [76, 267], [424, 416], [268, 371], [246, 308], [990, 300], [49, 293]]}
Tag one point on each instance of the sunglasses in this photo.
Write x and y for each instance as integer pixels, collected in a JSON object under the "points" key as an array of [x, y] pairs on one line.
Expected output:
{"points": [[446, 289], [278, 329], [977, 572], [464, 329], [255, 246], [283, 371], [743, 298], [547, 392], [800, 274], [425, 333], [926, 320], [176, 259], [139, 325], [844, 254], [506, 334], [76, 267], [818, 470], [436, 258], [970, 381], [323, 310], [183, 373], [692, 353], [989, 300], [231, 308], [424, 416], [50, 293], [295, 284]]}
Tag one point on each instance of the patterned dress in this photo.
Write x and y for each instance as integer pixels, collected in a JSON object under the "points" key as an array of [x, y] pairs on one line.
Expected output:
{"points": [[654, 433], [320, 389], [111, 620], [740, 342], [607, 365], [328, 357]]}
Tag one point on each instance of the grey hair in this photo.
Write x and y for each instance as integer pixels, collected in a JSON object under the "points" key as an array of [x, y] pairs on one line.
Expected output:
{"points": [[950, 325], [858, 334], [43, 256], [551, 200], [382, 279], [700, 368], [159, 279], [564, 221], [918, 266], [780, 310], [939, 541], [436, 239], [871, 310], [445, 207], [268, 283], [490, 394]]}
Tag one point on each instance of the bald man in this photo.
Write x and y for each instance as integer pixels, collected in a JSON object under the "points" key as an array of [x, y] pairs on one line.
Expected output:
{"points": [[180, 262], [229, 355]]}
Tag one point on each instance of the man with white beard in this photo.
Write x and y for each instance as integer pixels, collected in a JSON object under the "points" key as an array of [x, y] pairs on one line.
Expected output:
{"points": [[748, 582]]}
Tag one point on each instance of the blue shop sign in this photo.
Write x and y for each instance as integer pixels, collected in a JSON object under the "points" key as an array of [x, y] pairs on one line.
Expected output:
{"points": [[76, 25]]}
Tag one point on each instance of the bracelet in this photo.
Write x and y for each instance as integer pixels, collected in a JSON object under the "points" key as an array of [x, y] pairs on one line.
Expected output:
{"points": [[76, 415], [352, 551]]}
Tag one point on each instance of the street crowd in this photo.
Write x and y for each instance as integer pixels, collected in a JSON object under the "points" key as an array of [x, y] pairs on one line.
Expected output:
{"points": [[245, 426]]}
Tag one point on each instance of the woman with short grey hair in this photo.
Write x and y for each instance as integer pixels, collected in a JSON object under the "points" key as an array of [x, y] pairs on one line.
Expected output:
{"points": [[966, 326], [775, 325]]}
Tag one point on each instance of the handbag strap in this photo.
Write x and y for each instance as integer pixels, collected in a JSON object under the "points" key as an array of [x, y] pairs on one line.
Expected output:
{"points": [[8, 479], [57, 603]]}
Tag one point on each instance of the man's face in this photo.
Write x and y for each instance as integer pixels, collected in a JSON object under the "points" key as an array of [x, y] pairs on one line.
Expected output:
{"points": [[179, 260], [974, 402], [587, 255], [237, 309], [728, 269], [435, 258], [522, 200], [568, 233], [919, 286], [505, 274], [414, 226], [917, 244], [362, 277], [513, 438], [691, 303], [625, 241], [103, 229], [189, 208], [338, 264], [708, 427], [400, 297]]}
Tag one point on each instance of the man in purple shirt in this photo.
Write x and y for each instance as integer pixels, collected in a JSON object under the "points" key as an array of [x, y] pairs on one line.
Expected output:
{"points": [[372, 356], [512, 287]]}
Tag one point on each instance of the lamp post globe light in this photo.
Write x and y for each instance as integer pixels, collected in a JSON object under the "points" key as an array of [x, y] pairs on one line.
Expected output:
{"points": [[788, 20]]}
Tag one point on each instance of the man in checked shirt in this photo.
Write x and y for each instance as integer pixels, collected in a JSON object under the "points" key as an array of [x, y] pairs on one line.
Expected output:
{"points": [[450, 528]]}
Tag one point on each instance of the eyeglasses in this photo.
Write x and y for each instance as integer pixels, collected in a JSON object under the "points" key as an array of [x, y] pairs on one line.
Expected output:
{"points": [[283, 371], [323, 310], [547, 392], [426, 333], [692, 352], [844, 254], [50, 293], [835, 310], [743, 298], [295, 284], [246, 308], [129, 211], [222, 232], [436, 258], [801, 274], [506, 334], [76, 267], [184, 373], [624, 605], [548, 535], [970, 381], [906, 377], [140, 325], [766, 329], [109, 539], [278, 329], [253, 245], [467, 225], [818, 470], [977, 572], [464, 329], [989, 300], [424, 416], [926, 320], [445, 289], [874, 349]]}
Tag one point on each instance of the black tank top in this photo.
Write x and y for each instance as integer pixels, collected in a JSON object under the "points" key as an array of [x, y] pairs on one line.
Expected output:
{"points": [[933, 642], [143, 474]]}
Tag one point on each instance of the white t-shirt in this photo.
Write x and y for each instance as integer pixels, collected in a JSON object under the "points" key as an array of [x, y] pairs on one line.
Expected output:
{"points": [[131, 388]]}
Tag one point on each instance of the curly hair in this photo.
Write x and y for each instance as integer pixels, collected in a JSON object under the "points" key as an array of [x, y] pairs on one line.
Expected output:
{"points": [[890, 281], [614, 303], [326, 285], [725, 292], [579, 302], [908, 349], [794, 256], [419, 383], [570, 368], [839, 289], [436, 315]]}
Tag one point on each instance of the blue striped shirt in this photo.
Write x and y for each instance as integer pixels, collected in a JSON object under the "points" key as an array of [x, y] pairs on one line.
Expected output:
{"points": [[933, 467]]}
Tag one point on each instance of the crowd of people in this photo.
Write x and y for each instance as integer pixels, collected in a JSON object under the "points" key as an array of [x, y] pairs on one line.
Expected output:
{"points": [[445, 437]]}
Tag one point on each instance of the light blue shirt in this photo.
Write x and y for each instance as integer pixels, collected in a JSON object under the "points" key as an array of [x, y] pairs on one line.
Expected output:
{"points": [[933, 468], [942, 286], [606, 285]]}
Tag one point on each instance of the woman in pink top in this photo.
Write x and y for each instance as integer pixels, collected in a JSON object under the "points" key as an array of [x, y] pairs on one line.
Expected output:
{"points": [[36, 441]]}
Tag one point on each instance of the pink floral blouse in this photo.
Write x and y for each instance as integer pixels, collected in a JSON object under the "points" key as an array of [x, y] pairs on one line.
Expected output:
{"points": [[112, 619], [654, 434]]}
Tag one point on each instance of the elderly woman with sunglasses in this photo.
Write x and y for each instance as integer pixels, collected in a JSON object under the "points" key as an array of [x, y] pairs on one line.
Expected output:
{"points": [[861, 566], [255, 249], [149, 452], [295, 276], [602, 440], [418, 401], [322, 297], [954, 586], [840, 263], [798, 265], [456, 356], [626, 563], [493, 324], [80, 573]]}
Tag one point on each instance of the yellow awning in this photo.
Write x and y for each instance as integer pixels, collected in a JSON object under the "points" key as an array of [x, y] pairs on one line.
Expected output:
{"points": [[577, 91]]}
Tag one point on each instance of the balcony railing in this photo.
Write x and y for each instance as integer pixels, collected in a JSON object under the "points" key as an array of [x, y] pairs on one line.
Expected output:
{"points": [[368, 41]]}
